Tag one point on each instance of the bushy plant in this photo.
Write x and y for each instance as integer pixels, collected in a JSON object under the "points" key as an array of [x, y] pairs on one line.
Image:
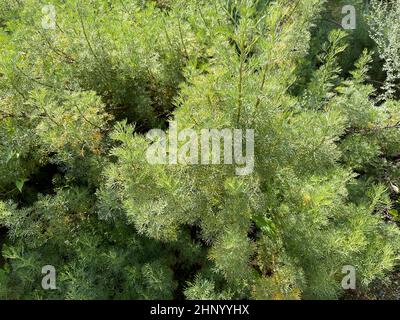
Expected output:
{"points": [[77, 190]]}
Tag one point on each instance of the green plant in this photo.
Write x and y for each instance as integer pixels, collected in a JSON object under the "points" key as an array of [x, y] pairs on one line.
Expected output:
{"points": [[77, 191]]}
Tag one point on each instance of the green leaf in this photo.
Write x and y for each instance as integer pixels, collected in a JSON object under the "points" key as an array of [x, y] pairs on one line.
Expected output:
{"points": [[395, 214], [20, 184], [266, 225]]}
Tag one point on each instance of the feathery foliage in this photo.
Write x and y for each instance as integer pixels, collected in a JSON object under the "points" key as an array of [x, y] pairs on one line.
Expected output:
{"points": [[77, 191]]}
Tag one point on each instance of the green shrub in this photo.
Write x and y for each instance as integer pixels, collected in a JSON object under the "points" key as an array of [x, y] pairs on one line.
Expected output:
{"points": [[77, 191]]}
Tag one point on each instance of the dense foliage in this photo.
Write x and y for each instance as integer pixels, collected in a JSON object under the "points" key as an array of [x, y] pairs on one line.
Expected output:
{"points": [[76, 190]]}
